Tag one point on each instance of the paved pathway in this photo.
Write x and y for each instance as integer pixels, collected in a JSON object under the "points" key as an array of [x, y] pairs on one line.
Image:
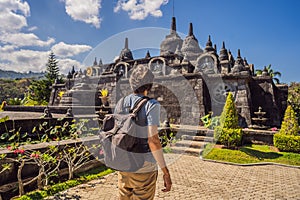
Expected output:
{"points": [[197, 179]]}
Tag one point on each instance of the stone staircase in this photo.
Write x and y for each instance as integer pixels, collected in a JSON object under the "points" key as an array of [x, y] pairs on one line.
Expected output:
{"points": [[191, 142]]}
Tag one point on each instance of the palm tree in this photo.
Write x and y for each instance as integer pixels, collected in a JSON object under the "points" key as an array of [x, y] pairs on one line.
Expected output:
{"points": [[270, 72]]}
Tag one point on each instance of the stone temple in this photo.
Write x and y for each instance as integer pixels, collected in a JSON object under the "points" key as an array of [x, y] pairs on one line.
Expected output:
{"points": [[190, 82]]}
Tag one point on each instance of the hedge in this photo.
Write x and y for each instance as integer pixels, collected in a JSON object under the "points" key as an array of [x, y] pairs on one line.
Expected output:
{"points": [[229, 137], [285, 142]]}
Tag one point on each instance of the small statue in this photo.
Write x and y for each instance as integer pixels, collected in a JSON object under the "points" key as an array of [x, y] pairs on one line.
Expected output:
{"points": [[69, 112], [47, 113]]}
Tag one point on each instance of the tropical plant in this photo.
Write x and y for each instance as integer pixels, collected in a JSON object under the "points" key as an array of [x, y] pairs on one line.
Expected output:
{"points": [[209, 121], [5, 166], [228, 132], [65, 130], [14, 101], [270, 71]]}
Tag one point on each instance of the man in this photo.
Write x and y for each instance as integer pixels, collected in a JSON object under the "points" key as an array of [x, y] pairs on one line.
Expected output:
{"points": [[142, 183]]}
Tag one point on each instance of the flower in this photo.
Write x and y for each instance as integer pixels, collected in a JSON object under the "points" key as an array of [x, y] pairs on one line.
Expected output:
{"points": [[61, 93], [274, 129], [34, 155], [21, 151], [17, 151], [104, 92]]}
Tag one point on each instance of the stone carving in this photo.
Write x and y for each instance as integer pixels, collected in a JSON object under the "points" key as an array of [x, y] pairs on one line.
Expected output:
{"points": [[221, 91]]}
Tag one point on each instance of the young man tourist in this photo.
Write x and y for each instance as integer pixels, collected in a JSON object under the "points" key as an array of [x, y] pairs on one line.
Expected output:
{"points": [[141, 184]]}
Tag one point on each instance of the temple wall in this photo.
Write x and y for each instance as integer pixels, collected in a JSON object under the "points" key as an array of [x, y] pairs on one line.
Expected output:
{"points": [[263, 93]]}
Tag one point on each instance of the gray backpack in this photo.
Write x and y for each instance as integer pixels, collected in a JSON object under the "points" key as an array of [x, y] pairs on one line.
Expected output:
{"points": [[119, 140]]}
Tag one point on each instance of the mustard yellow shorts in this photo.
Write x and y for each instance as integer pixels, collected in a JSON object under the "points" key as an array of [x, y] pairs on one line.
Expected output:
{"points": [[134, 186]]}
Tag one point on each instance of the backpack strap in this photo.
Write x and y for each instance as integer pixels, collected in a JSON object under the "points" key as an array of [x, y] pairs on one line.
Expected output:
{"points": [[138, 105], [119, 108]]}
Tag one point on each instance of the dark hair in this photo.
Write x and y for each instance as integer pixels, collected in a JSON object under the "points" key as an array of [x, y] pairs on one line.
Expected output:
{"points": [[141, 79], [143, 88]]}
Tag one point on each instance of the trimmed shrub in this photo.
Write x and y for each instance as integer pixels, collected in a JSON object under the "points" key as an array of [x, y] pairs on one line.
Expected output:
{"points": [[289, 124], [228, 132], [287, 142], [288, 139], [228, 136]]}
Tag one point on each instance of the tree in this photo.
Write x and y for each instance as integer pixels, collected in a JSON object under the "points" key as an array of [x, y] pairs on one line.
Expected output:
{"points": [[228, 132], [75, 157], [294, 98], [270, 71], [40, 90], [11, 89], [52, 72], [289, 125], [229, 116]]}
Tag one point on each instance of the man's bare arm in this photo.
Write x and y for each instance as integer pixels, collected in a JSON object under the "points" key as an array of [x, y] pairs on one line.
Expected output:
{"points": [[156, 149]]}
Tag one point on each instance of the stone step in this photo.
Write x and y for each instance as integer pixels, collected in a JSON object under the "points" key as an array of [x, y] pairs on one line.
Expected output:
{"points": [[185, 150], [191, 144], [197, 138], [204, 132]]}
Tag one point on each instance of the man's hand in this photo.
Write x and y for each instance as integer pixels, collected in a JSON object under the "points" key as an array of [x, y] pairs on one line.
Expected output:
{"points": [[167, 182]]}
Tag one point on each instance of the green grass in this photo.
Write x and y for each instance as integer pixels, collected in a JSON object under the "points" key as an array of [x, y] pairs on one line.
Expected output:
{"points": [[251, 154], [53, 189]]}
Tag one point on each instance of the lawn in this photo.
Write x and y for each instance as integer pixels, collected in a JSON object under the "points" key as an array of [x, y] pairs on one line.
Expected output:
{"points": [[251, 154]]}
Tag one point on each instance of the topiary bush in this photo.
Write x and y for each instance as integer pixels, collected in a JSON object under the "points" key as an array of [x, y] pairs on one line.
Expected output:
{"points": [[288, 138], [228, 132], [289, 124], [228, 136], [287, 142]]}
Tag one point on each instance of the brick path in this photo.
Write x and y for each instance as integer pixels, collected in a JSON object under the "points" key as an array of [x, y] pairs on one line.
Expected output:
{"points": [[197, 179]]}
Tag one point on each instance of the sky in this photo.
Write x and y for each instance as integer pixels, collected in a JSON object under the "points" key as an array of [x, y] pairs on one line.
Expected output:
{"points": [[77, 31]]}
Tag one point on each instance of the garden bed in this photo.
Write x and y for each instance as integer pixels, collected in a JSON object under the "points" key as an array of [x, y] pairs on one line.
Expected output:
{"points": [[67, 153]]}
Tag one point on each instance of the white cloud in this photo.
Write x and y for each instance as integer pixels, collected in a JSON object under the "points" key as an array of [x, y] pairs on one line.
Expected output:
{"points": [[64, 50], [65, 65], [7, 48], [24, 60], [24, 39], [140, 9], [84, 10], [13, 15], [33, 28], [13, 40], [29, 60]]}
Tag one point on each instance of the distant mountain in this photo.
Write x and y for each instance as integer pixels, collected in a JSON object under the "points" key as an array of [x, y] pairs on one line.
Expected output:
{"points": [[16, 75]]}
